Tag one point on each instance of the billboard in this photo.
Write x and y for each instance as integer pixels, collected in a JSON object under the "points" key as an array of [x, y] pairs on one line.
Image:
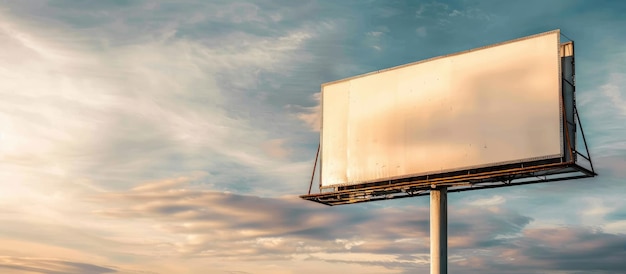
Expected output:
{"points": [[489, 106]]}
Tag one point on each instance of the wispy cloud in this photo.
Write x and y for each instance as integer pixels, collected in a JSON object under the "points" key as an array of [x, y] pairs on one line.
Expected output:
{"points": [[138, 107], [311, 116], [605, 108], [494, 200], [50, 266], [612, 90]]}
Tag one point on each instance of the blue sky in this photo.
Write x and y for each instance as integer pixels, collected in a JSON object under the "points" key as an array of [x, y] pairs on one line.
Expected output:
{"points": [[175, 137]]}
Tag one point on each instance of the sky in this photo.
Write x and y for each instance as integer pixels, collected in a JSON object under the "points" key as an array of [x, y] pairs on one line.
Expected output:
{"points": [[175, 137]]}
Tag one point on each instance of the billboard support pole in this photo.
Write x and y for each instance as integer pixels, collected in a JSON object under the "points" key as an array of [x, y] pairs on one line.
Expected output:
{"points": [[439, 230]]}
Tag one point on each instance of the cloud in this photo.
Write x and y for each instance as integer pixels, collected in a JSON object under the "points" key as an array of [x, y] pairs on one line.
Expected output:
{"points": [[376, 38], [431, 9], [108, 116], [577, 249], [238, 227], [87, 112], [421, 31], [216, 220], [600, 106], [470, 13], [441, 10], [311, 116], [604, 112], [616, 227], [565, 249], [50, 266], [164, 136], [612, 90], [494, 200], [596, 207]]}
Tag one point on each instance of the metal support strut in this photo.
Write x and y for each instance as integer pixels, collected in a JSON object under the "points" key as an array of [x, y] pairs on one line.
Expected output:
{"points": [[439, 230]]}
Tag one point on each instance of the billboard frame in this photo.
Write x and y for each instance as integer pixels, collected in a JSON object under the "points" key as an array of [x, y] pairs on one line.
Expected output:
{"points": [[514, 173]]}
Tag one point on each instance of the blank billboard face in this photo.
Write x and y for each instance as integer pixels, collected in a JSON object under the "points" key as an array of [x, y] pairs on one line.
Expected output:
{"points": [[485, 107]]}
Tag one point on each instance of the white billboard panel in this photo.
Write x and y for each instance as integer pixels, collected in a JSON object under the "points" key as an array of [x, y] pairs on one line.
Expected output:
{"points": [[489, 106]]}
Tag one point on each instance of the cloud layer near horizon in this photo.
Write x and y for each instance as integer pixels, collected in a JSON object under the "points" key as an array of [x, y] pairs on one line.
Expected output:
{"points": [[173, 220]]}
